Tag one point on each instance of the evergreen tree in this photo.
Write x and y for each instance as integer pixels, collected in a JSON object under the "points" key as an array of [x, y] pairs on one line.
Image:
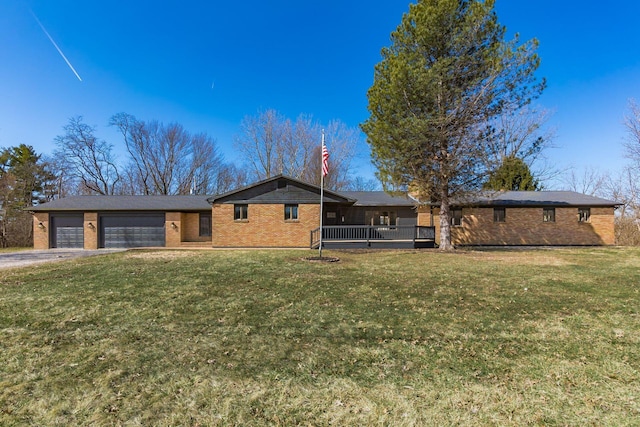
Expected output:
{"points": [[446, 75], [23, 178], [513, 174]]}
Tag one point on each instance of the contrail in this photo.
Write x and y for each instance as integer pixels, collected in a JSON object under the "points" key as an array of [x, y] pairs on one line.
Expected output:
{"points": [[56, 46]]}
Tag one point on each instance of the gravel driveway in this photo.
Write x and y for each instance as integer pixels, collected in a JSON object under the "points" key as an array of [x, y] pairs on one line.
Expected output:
{"points": [[30, 257]]}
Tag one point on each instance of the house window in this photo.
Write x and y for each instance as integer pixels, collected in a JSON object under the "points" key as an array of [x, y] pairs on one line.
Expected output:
{"points": [[456, 217], [584, 214], [241, 212], [549, 215], [381, 217], [499, 215], [384, 218], [205, 224], [290, 212]]}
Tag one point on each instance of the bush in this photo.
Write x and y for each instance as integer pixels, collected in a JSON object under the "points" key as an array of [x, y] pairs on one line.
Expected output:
{"points": [[627, 230]]}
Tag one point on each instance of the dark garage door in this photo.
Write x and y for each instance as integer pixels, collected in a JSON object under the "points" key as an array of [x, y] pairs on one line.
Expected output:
{"points": [[131, 230], [67, 231]]}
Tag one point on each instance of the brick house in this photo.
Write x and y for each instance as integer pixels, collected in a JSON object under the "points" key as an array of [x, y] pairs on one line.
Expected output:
{"points": [[528, 218], [285, 212]]}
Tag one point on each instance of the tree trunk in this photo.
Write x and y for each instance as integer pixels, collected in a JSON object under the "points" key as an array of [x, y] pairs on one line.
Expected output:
{"points": [[445, 226]]}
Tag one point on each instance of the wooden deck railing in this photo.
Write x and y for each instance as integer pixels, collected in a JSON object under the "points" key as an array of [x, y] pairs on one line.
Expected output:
{"points": [[372, 233]]}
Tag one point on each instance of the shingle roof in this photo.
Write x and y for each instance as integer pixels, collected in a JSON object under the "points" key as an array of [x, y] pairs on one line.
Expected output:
{"points": [[314, 188], [361, 198], [540, 198], [377, 198], [126, 203]]}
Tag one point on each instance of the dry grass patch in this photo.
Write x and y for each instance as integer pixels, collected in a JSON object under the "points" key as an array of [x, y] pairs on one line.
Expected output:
{"points": [[536, 256], [160, 254]]}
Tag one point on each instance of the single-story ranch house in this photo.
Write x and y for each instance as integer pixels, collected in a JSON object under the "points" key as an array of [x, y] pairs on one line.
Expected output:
{"points": [[285, 212]]}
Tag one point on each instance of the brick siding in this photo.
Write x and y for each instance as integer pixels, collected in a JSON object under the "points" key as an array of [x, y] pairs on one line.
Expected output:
{"points": [[265, 226], [40, 235], [90, 232], [173, 229], [524, 226], [191, 228]]}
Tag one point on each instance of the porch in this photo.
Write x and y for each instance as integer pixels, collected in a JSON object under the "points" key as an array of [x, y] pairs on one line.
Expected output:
{"points": [[374, 236]]}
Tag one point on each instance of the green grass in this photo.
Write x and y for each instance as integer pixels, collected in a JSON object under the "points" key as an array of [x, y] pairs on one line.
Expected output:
{"points": [[541, 337]]}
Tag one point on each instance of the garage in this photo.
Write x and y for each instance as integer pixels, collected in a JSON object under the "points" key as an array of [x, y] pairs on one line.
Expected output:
{"points": [[67, 231], [132, 230]]}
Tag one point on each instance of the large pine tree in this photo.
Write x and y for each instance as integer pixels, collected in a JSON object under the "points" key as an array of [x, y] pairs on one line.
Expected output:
{"points": [[446, 75]]}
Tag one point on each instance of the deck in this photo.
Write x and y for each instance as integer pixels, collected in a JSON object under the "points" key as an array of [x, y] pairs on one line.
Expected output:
{"points": [[374, 236]]}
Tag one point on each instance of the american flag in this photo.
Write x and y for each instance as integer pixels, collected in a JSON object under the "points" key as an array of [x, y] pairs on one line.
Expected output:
{"points": [[325, 160]]}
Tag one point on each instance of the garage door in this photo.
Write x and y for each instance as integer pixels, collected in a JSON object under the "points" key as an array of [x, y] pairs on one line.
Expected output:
{"points": [[132, 230], [67, 231]]}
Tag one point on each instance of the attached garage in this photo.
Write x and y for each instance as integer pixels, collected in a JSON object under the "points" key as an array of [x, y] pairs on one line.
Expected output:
{"points": [[96, 222], [66, 231], [132, 230]]}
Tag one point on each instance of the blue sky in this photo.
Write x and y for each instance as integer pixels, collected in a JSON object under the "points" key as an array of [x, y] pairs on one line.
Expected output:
{"points": [[207, 64]]}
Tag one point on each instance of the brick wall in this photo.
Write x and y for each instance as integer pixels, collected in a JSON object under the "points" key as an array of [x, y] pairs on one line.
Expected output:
{"points": [[173, 229], [40, 235], [265, 226], [524, 226], [90, 231], [191, 228]]}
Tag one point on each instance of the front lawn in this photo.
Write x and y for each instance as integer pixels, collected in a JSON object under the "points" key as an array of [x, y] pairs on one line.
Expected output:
{"points": [[18, 249], [402, 338]]}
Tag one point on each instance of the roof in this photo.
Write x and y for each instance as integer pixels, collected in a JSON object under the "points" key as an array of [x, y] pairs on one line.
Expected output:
{"points": [[377, 198], [357, 198], [280, 189], [126, 203], [538, 198]]}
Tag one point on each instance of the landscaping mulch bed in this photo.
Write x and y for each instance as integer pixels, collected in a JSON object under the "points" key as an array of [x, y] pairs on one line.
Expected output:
{"points": [[322, 259]]}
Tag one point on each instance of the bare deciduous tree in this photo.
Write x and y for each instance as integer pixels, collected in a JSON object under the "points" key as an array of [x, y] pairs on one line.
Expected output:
{"points": [[262, 142], [624, 187], [167, 159], [360, 183], [272, 144], [632, 123], [587, 181], [525, 135], [88, 159], [341, 142]]}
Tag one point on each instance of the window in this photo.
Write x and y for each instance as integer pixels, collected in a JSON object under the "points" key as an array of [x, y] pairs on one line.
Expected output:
{"points": [[549, 215], [241, 212], [381, 218], [205, 224], [456, 217], [584, 214], [290, 212], [384, 218], [499, 215]]}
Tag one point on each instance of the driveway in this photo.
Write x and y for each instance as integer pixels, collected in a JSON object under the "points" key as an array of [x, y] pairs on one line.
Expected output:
{"points": [[30, 257]]}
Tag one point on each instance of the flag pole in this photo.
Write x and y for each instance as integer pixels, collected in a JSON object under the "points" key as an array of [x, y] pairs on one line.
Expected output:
{"points": [[321, 192]]}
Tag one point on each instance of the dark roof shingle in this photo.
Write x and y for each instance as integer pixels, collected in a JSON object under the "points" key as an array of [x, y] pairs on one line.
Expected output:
{"points": [[126, 203], [377, 198], [540, 198]]}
